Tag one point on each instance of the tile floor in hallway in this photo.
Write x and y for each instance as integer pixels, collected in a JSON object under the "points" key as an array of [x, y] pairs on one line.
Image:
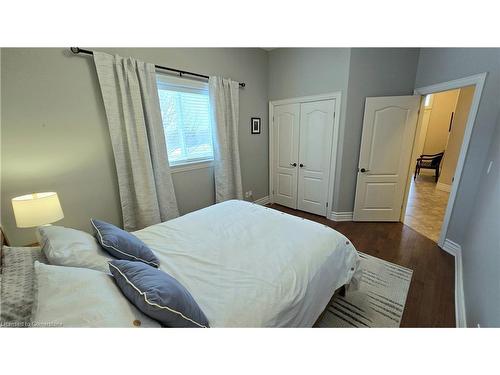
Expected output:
{"points": [[426, 207]]}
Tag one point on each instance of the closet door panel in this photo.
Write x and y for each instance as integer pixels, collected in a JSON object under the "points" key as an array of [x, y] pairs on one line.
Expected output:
{"points": [[316, 132], [286, 149]]}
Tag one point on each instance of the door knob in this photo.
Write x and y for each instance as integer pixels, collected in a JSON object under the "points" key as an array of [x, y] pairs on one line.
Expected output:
{"points": [[301, 165], [293, 164], [363, 170]]}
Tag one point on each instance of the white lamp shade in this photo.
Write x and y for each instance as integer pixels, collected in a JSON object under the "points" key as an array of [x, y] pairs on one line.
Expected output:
{"points": [[36, 209]]}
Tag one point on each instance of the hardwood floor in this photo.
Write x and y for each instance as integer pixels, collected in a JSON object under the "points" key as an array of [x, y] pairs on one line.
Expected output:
{"points": [[431, 298]]}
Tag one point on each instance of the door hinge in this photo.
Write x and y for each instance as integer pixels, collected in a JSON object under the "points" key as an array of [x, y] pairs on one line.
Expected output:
{"points": [[334, 115], [326, 204]]}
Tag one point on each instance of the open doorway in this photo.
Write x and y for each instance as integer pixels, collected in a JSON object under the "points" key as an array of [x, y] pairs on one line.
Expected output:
{"points": [[442, 120], [393, 139]]}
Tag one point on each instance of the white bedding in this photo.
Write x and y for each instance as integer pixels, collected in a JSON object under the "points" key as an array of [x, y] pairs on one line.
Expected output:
{"points": [[252, 266]]}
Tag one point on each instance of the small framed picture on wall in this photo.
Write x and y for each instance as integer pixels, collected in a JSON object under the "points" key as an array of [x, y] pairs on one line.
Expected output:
{"points": [[255, 125]]}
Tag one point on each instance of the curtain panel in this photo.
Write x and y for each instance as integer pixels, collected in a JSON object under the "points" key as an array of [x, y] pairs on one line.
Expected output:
{"points": [[133, 112], [224, 104]]}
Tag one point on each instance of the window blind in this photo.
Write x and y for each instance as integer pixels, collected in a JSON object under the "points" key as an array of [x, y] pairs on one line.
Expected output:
{"points": [[186, 122]]}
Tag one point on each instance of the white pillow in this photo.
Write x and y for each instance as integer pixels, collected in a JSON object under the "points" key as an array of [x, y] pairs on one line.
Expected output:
{"points": [[70, 247], [79, 297]]}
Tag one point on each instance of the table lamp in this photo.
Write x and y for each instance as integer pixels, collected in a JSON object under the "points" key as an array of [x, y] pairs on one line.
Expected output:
{"points": [[36, 209]]}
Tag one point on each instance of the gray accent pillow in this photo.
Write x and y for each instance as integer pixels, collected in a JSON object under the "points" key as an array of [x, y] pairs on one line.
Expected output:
{"points": [[123, 245], [17, 284], [157, 294]]}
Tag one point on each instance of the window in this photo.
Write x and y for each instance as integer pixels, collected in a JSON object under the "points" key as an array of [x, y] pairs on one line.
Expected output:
{"points": [[185, 114]]}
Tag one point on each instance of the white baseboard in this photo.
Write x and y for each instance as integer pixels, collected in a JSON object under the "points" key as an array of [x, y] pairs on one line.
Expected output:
{"points": [[456, 250], [340, 216], [459, 292], [443, 187], [451, 247], [263, 201]]}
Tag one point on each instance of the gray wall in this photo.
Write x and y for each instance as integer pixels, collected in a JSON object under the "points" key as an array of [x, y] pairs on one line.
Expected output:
{"points": [[444, 64], [55, 136], [357, 73], [372, 72], [295, 72], [475, 223], [481, 246]]}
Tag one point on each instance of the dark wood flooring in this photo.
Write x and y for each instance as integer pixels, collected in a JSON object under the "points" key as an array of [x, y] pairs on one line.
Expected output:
{"points": [[431, 298]]}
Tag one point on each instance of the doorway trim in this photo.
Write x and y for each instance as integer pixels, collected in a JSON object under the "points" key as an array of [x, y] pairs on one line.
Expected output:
{"points": [[337, 96], [478, 81]]}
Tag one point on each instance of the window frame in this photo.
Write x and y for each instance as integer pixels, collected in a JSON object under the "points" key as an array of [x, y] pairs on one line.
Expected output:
{"points": [[190, 85]]}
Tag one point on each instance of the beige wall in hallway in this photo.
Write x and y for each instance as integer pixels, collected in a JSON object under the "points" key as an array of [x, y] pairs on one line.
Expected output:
{"points": [[439, 122], [456, 136]]}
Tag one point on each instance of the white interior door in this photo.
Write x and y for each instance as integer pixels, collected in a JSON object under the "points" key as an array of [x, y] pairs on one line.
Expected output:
{"points": [[286, 152], [386, 145], [315, 149]]}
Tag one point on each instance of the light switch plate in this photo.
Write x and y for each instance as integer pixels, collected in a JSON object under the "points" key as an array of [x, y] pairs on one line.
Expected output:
{"points": [[489, 167]]}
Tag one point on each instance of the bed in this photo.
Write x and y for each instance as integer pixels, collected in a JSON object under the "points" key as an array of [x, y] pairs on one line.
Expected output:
{"points": [[251, 266]]}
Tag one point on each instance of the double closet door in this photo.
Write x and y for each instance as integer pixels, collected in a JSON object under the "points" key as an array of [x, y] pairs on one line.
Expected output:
{"points": [[302, 154]]}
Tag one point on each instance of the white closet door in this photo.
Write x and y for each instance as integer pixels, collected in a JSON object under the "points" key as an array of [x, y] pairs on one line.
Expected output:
{"points": [[286, 151], [315, 150]]}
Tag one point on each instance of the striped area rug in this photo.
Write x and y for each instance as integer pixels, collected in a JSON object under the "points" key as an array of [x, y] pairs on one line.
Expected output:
{"points": [[379, 301]]}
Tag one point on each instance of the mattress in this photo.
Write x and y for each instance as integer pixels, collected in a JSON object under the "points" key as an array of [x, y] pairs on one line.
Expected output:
{"points": [[251, 266]]}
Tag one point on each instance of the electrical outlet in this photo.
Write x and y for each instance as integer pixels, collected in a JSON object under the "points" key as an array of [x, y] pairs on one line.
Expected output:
{"points": [[248, 194]]}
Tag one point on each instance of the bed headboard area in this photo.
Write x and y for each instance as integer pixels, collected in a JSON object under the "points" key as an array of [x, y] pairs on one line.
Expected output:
{"points": [[1, 245], [3, 240]]}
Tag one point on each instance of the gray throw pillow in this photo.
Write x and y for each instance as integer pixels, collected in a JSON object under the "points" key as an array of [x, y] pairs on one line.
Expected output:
{"points": [[123, 245], [157, 294]]}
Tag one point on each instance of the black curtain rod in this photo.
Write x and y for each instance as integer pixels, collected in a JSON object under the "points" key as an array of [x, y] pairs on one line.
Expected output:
{"points": [[77, 50]]}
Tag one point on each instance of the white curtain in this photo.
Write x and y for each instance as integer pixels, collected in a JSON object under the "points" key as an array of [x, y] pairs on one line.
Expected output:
{"points": [[133, 111], [224, 103]]}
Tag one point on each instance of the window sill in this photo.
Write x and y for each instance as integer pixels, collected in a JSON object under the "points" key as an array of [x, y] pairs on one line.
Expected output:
{"points": [[190, 166]]}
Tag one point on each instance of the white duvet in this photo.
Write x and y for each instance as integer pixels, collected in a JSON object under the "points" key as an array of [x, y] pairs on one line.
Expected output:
{"points": [[252, 266]]}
